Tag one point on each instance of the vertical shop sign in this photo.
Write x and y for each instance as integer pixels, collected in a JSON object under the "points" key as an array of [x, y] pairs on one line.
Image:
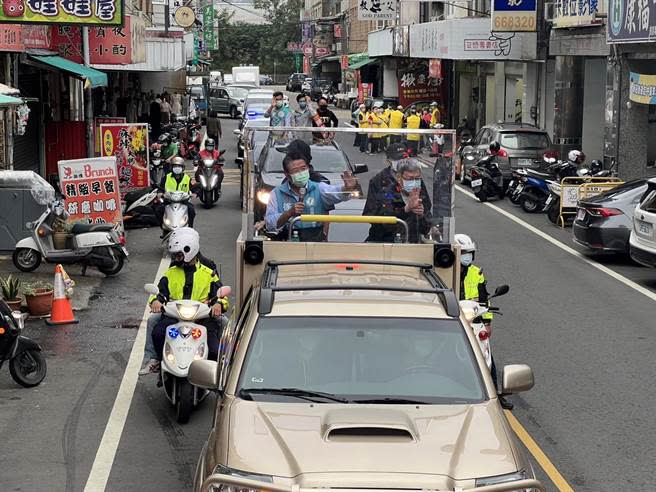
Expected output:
{"points": [[91, 190], [103, 120], [209, 39], [128, 143], [306, 65], [138, 38], [345, 62], [365, 90], [67, 42]]}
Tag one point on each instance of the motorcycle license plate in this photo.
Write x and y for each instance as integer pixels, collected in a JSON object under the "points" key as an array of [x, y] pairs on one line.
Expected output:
{"points": [[476, 182], [519, 189], [125, 251], [549, 200], [580, 215]]}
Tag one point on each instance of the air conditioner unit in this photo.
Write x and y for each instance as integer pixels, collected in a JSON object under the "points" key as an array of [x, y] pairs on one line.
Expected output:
{"points": [[549, 11]]}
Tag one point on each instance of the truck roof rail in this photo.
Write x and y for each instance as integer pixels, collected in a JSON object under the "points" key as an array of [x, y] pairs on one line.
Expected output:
{"points": [[270, 277]]}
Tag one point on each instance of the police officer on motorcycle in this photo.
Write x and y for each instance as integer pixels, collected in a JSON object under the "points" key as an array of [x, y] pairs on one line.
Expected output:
{"points": [[473, 287], [177, 180]]}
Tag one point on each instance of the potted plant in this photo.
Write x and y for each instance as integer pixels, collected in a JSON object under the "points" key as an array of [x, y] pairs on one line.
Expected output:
{"points": [[38, 296], [10, 292], [61, 229]]}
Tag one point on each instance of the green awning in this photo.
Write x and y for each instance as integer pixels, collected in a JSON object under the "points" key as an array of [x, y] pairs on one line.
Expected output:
{"points": [[359, 64], [10, 101], [91, 76]]}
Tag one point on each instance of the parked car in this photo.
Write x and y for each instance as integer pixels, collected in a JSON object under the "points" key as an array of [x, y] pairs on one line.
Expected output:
{"points": [[329, 160], [294, 82], [228, 100], [643, 240], [604, 222], [266, 80], [522, 146]]}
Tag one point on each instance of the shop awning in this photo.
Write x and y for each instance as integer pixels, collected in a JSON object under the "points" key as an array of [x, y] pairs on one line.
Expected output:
{"points": [[361, 63], [10, 101], [91, 77]]}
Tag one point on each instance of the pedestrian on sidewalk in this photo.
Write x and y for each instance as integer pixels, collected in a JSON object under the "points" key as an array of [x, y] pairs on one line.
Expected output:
{"points": [[165, 108], [176, 104], [156, 118]]}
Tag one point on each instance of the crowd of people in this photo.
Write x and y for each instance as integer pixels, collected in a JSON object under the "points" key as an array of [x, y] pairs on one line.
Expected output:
{"points": [[377, 116]]}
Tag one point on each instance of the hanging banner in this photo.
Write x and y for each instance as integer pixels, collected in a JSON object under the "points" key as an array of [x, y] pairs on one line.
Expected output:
{"points": [[86, 12], [103, 120], [514, 15], [374, 10], [128, 143], [90, 187], [631, 21], [365, 90], [642, 88]]}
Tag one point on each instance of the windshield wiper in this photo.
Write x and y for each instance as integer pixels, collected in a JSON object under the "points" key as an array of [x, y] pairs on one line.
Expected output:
{"points": [[300, 393], [392, 401]]}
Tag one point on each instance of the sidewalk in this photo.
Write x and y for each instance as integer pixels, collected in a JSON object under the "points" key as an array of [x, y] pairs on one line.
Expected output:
{"points": [[84, 286]]}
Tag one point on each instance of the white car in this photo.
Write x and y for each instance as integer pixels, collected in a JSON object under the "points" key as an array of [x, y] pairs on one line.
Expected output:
{"points": [[643, 240]]}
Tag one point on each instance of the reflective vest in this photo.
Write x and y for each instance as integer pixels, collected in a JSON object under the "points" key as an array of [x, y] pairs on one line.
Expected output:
{"points": [[172, 184], [435, 117], [203, 279], [414, 122], [312, 201], [471, 282], [363, 119], [396, 119], [377, 122]]}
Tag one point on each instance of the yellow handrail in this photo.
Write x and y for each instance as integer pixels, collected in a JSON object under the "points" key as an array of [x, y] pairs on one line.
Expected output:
{"points": [[349, 219]]}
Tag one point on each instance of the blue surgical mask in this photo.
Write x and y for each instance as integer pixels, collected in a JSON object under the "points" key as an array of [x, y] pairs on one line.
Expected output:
{"points": [[301, 178], [466, 259], [280, 104], [411, 184], [302, 105], [177, 170]]}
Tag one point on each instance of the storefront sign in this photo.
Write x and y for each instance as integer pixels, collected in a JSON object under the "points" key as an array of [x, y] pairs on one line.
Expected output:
{"points": [[209, 39], [87, 12], [11, 38], [469, 39], [129, 144], [642, 88], [67, 42], [36, 37], [338, 30], [111, 45], [365, 90], [306, 65], [416, 85], [575, 14], [138, 35], [322, 52], [344, 62], [91, 190], [435, 68], [308, 48], [295, 47], [631, 21], [514, 15], [373, 10], [103, 120]]}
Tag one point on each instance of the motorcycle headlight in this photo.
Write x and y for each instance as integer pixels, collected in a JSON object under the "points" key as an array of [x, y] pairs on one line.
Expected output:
{"points": [[167, 222], [224, 470], [187, 311], [263, 197], [510, 477]]}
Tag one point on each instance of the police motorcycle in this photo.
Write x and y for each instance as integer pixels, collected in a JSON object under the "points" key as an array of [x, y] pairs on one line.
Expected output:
{"points": [[487, 179], [185, 342], [474, 311], [26, 363], [96, 245]]}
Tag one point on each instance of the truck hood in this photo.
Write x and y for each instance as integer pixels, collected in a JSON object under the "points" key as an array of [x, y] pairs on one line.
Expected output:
{"points": [[291, 440]]}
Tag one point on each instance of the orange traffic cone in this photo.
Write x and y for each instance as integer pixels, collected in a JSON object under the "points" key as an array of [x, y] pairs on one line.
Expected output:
{"points": [[62, 312]]}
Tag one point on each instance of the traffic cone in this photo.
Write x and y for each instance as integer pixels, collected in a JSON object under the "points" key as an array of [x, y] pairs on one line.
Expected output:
{"points": [[61, 312]]}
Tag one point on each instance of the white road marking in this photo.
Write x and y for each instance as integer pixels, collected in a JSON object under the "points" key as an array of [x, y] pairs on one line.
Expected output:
{"points": [[102, 464], [621, 278]]}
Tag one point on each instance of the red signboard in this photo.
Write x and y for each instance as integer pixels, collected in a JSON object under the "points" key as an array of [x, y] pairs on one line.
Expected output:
{"points": [[129, 144], [103, 120], [35, 37], [365, 90], [67, 41], [91, 190], [306, 65], [11, 38], [435, 68], [338, 31], [416, 85], [111, 45]]}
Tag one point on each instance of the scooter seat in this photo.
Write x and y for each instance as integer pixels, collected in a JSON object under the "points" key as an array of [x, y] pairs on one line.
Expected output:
{"points": [[82, 228], [538, 174]]}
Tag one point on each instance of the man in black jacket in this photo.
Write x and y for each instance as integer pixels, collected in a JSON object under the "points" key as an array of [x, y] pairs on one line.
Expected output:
{"points": [[398, 191]]}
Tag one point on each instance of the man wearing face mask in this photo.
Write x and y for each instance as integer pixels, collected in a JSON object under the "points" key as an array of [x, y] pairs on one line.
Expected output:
{"points": [[473, 287], [177, 180], [327, 117], [303, 117], [398, 191], [298, 195]]}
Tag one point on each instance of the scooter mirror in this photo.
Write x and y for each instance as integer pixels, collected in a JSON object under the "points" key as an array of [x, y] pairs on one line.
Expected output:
{"points": [[151, 289], [502, 290]]}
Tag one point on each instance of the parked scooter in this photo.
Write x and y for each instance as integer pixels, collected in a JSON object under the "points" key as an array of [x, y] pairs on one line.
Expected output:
{"points": [[486, 179], [26, 363], [474, 311], [96, 245], [185, 342], [140, 208], [209, 176], [176, 214]]}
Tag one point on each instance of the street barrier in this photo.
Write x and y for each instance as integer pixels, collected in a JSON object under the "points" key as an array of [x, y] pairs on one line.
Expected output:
{"points": [[61, 312], [575, 188]]}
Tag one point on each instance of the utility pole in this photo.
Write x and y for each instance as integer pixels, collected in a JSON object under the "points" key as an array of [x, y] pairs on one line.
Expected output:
{"points": [[88, 99]]}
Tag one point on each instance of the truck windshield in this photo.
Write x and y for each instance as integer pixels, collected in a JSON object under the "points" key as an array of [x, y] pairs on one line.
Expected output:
{"points": [[386, 360]]}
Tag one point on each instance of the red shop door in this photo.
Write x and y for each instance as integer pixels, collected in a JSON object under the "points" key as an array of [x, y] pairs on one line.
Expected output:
{"points": [[64, 140]]}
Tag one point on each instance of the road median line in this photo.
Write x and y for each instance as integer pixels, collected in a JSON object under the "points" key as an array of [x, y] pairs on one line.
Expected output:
{"points": [[104, 460]]}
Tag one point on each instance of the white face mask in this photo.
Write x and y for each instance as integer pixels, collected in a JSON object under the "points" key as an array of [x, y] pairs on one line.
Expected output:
{"points": [[466, 259], [177, 170]]}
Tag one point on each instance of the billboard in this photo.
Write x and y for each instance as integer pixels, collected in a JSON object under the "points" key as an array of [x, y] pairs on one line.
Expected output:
{"points": [[86, 12], [630, 21], [514, 16], [128, 143]]}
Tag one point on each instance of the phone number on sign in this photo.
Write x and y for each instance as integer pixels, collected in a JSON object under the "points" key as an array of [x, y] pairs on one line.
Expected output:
{"points": [[514, 22]]}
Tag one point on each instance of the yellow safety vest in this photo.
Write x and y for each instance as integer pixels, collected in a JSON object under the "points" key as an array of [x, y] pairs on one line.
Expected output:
{"points": [[435, 117], [172, 185], [414, 122], [377, 122], [204, 277], [363, 119], [471, 282], [396, 119]]}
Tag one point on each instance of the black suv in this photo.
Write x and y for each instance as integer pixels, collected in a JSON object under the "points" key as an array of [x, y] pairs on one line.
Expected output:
{"points": [[295, 81]]}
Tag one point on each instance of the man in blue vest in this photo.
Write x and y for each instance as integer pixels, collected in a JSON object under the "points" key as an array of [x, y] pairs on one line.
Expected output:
{"points": [[298, 194]]}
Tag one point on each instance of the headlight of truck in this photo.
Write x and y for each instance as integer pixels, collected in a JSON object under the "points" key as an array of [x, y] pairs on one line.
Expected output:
{"points": [[511, 477], [224, 470], [263, 197]]}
